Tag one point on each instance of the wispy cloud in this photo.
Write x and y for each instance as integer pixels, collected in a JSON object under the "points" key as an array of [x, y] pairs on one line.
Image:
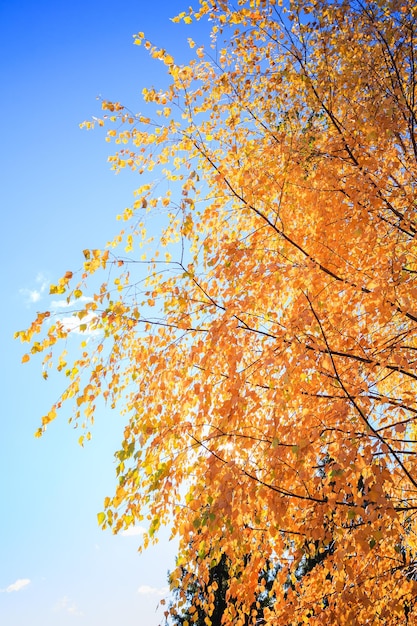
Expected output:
{"points": [[146, 590], [68, 606], [133, 531], [17, 586], [73, 324], [34, 295], [62, 308], [65, 304]]}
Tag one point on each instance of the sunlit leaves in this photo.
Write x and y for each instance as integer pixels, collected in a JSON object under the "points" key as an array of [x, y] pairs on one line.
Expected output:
{"points": [[62, 285], [264, 357]]}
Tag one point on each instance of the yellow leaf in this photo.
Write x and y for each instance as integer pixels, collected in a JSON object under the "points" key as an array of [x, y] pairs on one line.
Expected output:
{"points": [[49, 417]]}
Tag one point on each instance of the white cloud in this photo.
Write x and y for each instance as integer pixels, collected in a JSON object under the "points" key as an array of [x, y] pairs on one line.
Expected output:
{"points": [[73, 324], [31, 295], [146, 590], [67, 605], [65, 304], [34, 295], [17, 586], [133, 531]]}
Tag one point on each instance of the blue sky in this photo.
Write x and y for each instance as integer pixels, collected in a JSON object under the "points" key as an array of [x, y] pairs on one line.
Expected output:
{"points": [[57, 197]]}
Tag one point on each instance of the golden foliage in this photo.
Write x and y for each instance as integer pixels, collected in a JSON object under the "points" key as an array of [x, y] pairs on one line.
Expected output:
{"points": [[267, 366]]}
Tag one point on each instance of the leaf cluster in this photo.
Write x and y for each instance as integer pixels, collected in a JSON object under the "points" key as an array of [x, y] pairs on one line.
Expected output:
{"points": [[265, 362]]}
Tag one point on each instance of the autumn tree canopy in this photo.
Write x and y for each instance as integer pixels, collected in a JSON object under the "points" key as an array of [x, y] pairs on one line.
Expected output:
{"points": [[266, 364]]}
